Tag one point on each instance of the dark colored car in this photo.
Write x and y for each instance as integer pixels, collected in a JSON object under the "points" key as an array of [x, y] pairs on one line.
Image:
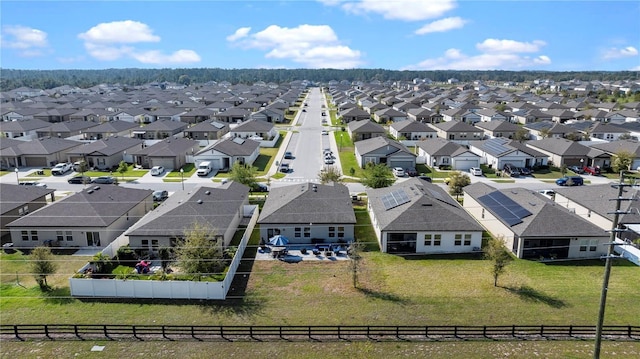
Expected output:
{"points": [[160, 196], [576, 169], [570, 181], [524, 171], [79, 180], [288, 155], [425, 178], [411, 172], [260, 187], [105, 180], [284, 168], [511, 170], [594, 171]]}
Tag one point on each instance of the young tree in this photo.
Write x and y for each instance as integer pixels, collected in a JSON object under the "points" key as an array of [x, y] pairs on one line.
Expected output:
{"points": [[545, 132], [377, 175], [521, 135], [200, 253], [330, 174], [355, 258], [457, 181], [42, 265], [243, 173], [123, 167], [497, 253], [622, 161]]}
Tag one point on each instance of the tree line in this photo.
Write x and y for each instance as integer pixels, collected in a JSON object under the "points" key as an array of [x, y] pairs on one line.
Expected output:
{"points": [[48, 79]]}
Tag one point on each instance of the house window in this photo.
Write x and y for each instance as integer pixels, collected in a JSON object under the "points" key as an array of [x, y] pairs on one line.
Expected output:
{"points": [[145, 243], [593, 245], [25, 235], [34, 235], [467, 239], [59, 236], [154, 244], [458, 240], [583, 245], [437, 239], [427, 239], [307, 232], [23, 211], [69, 236], [297, 232]]}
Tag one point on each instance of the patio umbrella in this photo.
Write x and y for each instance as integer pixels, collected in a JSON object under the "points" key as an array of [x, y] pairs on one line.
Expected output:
{"points": [[278, 241]]}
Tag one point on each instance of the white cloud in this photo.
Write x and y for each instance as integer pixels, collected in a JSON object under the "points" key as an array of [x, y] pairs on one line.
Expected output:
{"points": [[404, 10], [114, 40], [616, 53], [509, 46], [239, 34], [29, 42], [442, 25], [496, 55], [157, 57], [637, 68], [120, 32], [314, 46]]}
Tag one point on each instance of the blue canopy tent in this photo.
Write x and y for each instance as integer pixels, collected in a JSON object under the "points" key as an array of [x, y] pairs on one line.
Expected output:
{"points": [[278, 241]]}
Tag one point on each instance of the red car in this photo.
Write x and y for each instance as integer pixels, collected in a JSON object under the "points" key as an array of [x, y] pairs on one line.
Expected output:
{"points": [[594, 171]]}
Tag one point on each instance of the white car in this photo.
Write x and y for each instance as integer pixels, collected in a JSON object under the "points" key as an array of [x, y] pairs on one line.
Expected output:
{"points": [[398, 171], [325, 132], [475, 171], [328, 161], [60, 169], [156, 170]]}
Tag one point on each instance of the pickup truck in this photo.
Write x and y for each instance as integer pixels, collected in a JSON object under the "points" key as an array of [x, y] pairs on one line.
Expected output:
{"points": [[60, 169]]}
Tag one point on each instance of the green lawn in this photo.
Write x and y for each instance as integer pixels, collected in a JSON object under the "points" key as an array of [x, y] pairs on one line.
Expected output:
{"points": [[348, 161], [131, 173], [47, 173], [189, 169]]}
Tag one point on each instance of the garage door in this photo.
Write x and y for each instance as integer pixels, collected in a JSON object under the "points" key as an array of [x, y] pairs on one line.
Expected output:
{"points": [[167, 163], [35, 161], [464, 165], [403, 164]]}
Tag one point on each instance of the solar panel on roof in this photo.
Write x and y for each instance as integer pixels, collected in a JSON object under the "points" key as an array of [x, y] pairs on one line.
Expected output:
{"points": [[394, 199], [504, 207], [496, 146]]}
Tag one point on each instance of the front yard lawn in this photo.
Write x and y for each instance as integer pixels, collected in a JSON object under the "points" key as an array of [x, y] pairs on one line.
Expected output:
{"points": [[189, 169]]}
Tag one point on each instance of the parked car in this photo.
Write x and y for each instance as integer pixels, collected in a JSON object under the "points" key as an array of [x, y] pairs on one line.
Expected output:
{"points": [[288, 155], [594, 171], [476, 171], [304, 110], [511, 170], [398, 171], [411, 171], [156, 170], [105, 180], [33, 184], [325, 132], [60, 169], [160, 195], [549, 193], [570, 181], [260, 187], [79, 180], [524, 171], [328, 161], [576, 169], [284, 168]]}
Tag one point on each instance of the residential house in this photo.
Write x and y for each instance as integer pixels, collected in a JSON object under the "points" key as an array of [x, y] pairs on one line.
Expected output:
{"points": [[411, 130], [207, 131], [233, 115], [309, 213], [353, 114], [498, 128], [18, 201], [562, 151], [197, 115], [605, 131], [269, 114], [548, 129], [457, 131], [440, 152], [170, 153], [219, 208], [159, 130], [22, 129], [66, 129], [384, 150], [533, 226], [106, 153], [42, 152], [93, 217], [364, 129], [415, 216], [58, 114], [389, 115], [497, 152], [425, 115], [460, 114], [256, 130], [614, 147], [112, 128], [224, 153]]}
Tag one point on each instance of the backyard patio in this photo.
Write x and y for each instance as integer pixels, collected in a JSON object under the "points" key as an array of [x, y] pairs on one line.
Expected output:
{"points": [[297, 253]]}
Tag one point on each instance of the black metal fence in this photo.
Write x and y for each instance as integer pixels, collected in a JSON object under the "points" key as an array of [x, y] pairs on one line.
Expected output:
{"points": [[312, 333]]}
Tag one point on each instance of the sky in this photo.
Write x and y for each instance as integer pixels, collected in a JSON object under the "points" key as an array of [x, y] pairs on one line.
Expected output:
{"points": [[516, 35]]}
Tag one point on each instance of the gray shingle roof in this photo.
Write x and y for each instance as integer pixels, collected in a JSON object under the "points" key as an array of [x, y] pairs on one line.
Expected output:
{"points": [[254, 126], [560, 146], [107, 146], [372, 144], [180, 211], [90, 207], [597, 198], [365, 126], [300, 203], [430, 208], [13, 196], [234, 146]]}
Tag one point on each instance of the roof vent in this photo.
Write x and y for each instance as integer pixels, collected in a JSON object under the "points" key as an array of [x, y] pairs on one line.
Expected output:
{"points": [[90, 191], [207, 193], [315, 188], [96, 188], [199, 201]]}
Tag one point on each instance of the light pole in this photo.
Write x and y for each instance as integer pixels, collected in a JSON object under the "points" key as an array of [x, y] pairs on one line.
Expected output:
{"points": [[17, 178], [581, 163], [182, 177]]}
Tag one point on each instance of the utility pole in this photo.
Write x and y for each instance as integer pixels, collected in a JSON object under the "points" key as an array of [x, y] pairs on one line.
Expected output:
{"points": [[610, 256]]}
